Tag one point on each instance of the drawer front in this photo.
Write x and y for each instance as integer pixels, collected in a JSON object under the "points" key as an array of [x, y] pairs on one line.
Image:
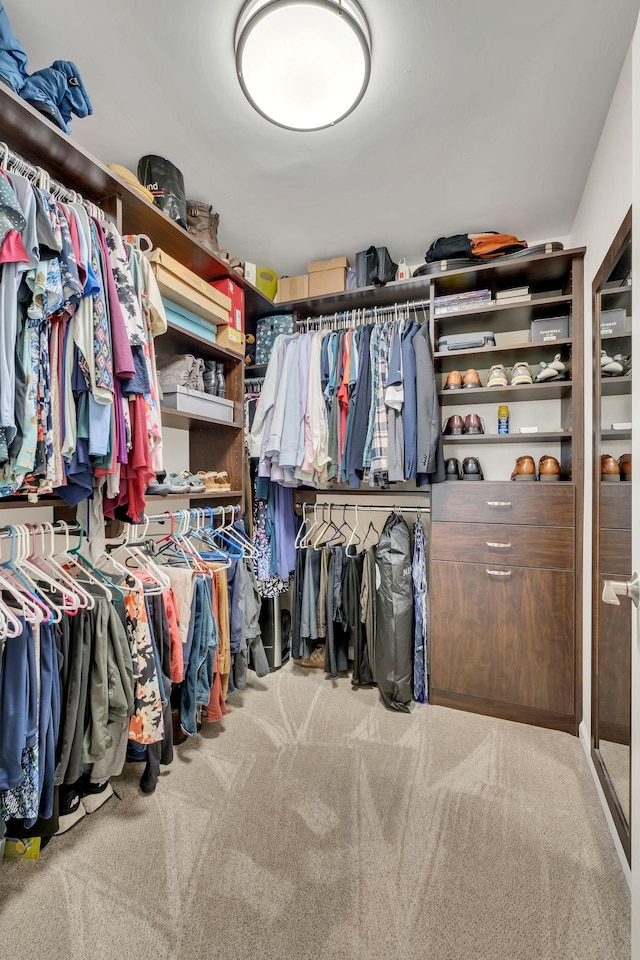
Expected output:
{"points": [[615, 553], [615, 505], [506, 637], [524, 546], [539, 504]]}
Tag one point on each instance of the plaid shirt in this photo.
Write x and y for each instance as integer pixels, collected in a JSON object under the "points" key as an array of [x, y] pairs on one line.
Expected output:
{"points": [[380, 443]]}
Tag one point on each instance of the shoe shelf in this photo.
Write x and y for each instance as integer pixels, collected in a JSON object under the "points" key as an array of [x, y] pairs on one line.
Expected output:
{"points": [[208, 495], [615, 386], [507, 354], [555, 390], [510, 437], [615, 434], [183, 421]]}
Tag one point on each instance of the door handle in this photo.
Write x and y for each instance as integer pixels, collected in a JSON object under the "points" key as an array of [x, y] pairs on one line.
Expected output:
{"points": [[499, 546], [499, 573], [612, 589]]}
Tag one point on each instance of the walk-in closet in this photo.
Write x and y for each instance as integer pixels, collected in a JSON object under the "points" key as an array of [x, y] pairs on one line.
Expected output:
{"points": [[318, 570]]}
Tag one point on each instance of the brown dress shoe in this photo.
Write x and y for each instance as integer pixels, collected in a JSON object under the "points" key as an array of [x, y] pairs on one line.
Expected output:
{"points": [[525, 469], [549, 469], [473, 423], [454, 380], [471, 379], [609, 467], [624, 462], [454, 426]]}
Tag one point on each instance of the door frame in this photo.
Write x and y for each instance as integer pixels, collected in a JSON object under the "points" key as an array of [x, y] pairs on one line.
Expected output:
{"points": [[613, 802]]}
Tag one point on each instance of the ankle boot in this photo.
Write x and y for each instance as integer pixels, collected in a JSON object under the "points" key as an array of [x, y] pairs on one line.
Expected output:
{"points": [[210, 378], [203, 224]]}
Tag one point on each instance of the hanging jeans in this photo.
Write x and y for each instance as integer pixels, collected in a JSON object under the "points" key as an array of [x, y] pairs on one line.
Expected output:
{"points": [[196, 687]]}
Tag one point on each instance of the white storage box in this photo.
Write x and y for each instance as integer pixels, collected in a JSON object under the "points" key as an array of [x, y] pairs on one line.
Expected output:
{"points": [[194, 401]]}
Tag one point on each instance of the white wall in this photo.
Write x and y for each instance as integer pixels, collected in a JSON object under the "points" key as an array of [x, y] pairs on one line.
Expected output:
{"points": [[605, 202]]}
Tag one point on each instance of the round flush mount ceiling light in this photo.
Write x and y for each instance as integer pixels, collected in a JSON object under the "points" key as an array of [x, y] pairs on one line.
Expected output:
{"points": [[303, 64]]}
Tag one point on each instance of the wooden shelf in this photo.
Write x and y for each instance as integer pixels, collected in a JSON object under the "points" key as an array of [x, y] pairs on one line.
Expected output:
{"points": [[615, 434], [526, 311], [556, 435], [40, 142], [536, 391], [256, 370], [615, 386], [615, 336], [538, 271], [208, 495], [184, 340], [183, 421], [398, 291], [507, 354]]}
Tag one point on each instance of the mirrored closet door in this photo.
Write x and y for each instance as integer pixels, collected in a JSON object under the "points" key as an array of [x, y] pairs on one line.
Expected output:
{"points": [[611, 622]]}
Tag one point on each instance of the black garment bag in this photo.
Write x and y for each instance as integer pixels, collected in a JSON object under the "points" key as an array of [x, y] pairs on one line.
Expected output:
{"points": [[393, 655]]}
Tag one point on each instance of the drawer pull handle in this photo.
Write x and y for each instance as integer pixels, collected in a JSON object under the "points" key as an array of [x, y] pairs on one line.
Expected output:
{"points": [[498, 503], [499, 573], [499, 546]]}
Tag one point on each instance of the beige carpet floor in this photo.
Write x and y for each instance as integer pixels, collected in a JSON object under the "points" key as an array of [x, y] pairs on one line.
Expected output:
{"points": [[315, 825]]}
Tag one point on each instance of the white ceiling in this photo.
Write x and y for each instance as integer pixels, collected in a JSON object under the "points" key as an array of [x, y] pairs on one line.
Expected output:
{"points": [[479, 115]]}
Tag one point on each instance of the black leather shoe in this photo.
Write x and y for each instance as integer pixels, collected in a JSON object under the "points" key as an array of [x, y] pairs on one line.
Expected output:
{"points": [[452, 469], [471, 469]]}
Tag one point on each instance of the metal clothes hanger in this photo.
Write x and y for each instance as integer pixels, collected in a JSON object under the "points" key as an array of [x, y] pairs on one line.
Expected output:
{"points": [[354, 539]]}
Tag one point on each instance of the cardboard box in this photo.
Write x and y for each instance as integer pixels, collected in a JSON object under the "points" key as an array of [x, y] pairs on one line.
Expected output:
{"points": [[328, 281], [317, 266], [235, 293], [551, 328], [293, 288], [614, 321], [184, 287], [231, 339]]}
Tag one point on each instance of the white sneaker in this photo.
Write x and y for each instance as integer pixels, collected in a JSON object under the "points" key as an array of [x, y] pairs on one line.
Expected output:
{"points": [[71, 810], [550, 370], [521, 374], [497, 376], [96, 795]]}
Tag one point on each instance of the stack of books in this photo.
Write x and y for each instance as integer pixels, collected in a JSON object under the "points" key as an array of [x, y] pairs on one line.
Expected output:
{"points": [[514, 295], [461, 302]]}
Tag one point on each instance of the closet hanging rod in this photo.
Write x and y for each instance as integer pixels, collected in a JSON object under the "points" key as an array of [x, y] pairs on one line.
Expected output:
{"points": [[358, 316], [43, 179], [67, 526], [179, 514], [339, 507]]}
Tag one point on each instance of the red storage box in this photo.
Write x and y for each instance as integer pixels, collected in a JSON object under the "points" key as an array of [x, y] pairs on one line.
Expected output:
{"points": [[232, 336]]}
